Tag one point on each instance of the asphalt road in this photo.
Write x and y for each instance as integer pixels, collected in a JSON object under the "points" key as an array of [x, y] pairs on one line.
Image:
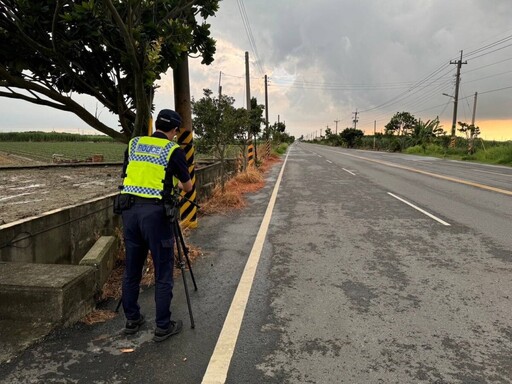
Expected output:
{"points": [[371, 268]]}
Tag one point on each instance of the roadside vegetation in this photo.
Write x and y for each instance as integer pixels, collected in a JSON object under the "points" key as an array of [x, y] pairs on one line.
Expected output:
{"points": [[404, 133]]}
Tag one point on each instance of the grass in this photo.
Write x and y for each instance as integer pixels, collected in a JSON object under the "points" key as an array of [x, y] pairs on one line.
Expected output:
{"points": [[497, 154], [43, 151]]}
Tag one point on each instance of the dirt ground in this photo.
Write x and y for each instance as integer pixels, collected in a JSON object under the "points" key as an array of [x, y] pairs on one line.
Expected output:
{"points": [[29, 192]]}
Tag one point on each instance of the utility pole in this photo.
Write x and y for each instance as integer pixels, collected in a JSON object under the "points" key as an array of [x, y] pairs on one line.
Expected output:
{"points": [[456, 97], [183, 106], [355, 119], [336, 121], [474, 110], [374, 132], [247, 82], [266, 107], [220, 86], [248, 96]]}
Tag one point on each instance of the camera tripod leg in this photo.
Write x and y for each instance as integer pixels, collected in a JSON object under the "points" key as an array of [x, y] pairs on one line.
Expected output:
{"points": [[185, 252], [181, 265]]}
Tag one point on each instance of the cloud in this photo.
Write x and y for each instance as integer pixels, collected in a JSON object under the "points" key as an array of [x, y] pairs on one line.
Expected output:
{"points": [[328, 58]]}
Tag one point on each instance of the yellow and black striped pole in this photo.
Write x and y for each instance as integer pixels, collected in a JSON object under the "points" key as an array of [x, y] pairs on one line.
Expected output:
{"points": [[182, 101], [250, 155], [188, 210]]}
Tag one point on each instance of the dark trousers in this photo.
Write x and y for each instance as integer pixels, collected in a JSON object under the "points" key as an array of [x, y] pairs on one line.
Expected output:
{"points": [[145, 226]]}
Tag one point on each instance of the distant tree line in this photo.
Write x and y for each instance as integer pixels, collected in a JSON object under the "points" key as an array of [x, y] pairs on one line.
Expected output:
{"points": [[52, 137], [405, 133]]}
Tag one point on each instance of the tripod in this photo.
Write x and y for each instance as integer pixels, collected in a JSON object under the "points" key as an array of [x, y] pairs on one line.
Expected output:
{"points": [[182, 250], [181, 258]]}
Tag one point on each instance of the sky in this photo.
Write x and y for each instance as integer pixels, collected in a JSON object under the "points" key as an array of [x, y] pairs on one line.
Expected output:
{"points": [[328, 59]]}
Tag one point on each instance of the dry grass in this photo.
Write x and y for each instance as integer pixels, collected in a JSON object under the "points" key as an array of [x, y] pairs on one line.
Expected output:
{"points": [[98, 316], [231, 198]]}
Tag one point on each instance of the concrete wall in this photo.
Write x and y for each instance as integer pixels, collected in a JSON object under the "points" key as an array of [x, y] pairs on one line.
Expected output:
{"points": [[208, 175], [61, 236], [65, 235]]}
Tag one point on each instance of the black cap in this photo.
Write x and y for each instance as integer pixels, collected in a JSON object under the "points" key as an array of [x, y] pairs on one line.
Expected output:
{"points": [[167, 119]]}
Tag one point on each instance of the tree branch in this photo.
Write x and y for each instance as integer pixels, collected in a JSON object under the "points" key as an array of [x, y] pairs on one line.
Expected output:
{"points": [[66, 103], [33, 100]]}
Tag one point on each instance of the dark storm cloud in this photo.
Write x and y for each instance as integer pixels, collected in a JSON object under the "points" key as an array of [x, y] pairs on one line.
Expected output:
{"points": [[392, 43]]}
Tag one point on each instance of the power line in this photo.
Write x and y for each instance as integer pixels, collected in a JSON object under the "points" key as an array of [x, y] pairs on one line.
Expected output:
{"points": [[488, 46], [248, 31], [495, 50]]}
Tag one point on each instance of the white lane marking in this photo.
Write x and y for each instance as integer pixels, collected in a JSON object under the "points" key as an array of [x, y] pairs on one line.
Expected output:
{"points": [[419, 209], [218, 367], [346, 170], [329, 161]]}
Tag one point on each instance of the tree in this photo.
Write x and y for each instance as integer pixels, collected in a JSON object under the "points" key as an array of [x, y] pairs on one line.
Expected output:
{"points": [[256, 117], [351, 136], [111, 50], [424, 132], [402, 123], [471, 132], [217, 123]]}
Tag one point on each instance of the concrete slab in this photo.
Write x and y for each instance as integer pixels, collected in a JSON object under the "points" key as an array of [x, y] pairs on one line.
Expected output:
{"points": [[102, 258], [45, 292]]}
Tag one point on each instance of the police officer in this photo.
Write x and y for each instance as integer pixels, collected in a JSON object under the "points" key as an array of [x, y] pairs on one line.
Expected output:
{"points": [[153, 165]]}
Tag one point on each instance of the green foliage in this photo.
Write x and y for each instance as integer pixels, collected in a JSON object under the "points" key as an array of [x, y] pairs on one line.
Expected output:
{"points": [[401, 124], [494, 154], [351, 136], [256, 117], [501, 154], [217, 123], [111, 50], [52, 136], [430, 149], [281, 148]]}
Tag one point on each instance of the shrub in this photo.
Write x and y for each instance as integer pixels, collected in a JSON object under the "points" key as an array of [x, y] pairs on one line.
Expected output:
{"points": [[282, 148]]}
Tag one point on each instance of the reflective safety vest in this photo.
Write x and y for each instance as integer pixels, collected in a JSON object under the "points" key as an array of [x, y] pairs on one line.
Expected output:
{"points": [[147, 162]]}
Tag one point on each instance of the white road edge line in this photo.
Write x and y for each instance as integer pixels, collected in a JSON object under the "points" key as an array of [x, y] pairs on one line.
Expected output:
{"points": [[346, 170], [419, 209], [218, 367]]}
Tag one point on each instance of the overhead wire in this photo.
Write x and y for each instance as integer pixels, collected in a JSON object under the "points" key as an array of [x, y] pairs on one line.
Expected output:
{"points": [[248, 31]]}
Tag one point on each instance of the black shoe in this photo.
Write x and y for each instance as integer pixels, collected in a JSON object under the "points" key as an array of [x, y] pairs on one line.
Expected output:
{"points": [[163, 334], [133, 326]]}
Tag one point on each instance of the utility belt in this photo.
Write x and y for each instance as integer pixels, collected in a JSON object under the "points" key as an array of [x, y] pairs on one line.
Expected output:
{"points": [[145, 200], [124, 201]]}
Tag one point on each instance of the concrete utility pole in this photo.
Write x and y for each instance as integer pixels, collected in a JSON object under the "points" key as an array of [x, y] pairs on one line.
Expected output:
{"points": [[456, 97], [336, 121], [183, 106], [474, 110], [374, 132], [220, 86], [355, 119], [247, 82], [266, 106]]}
